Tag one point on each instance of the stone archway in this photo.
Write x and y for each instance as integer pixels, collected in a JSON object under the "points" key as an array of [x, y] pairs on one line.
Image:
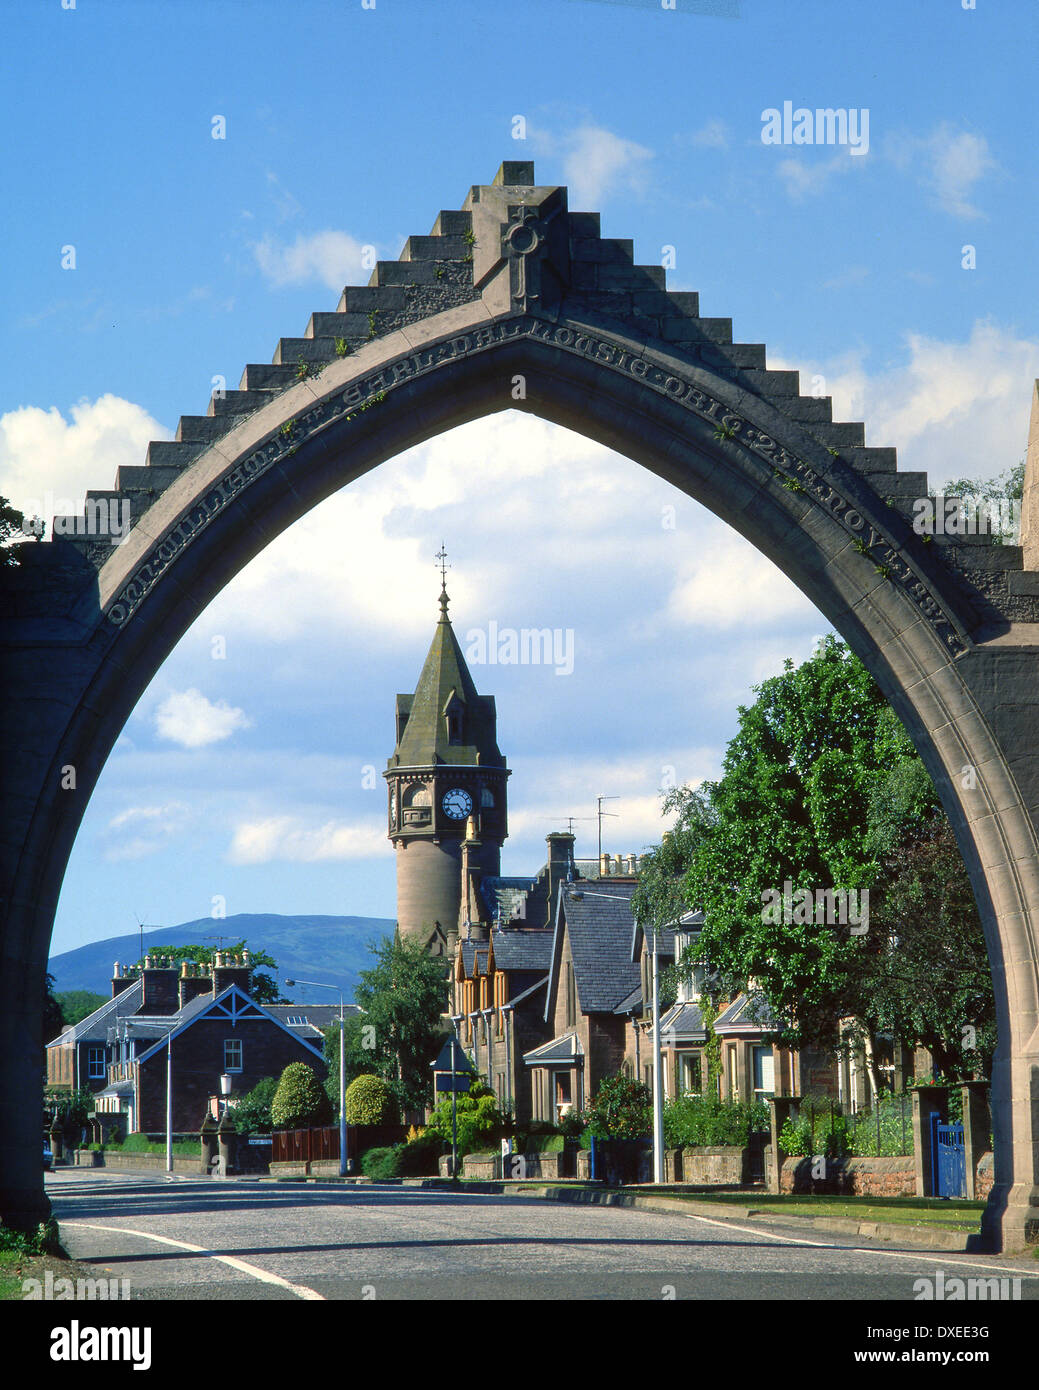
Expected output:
{"points": [[516, 302]]}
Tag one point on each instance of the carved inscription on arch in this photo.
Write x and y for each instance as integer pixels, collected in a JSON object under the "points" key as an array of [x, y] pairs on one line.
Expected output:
{"points": [[370, 391]]}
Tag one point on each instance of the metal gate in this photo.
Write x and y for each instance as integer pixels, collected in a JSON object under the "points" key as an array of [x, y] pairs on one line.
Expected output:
{"points": [[948, 1159]]}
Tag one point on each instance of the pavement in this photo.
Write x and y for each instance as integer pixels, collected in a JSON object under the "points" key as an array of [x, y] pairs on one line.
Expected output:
{"points": [[183, 1239]]}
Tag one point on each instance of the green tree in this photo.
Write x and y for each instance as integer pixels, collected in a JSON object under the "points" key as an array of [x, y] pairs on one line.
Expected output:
{"points": [[77, 1004], [370, 1101], [932, 984], [823, 790], [479, 1120], [360, 1054], [1009, 484], [263, 987], [11, 524], [299, 1100], [620, 1109], [53, 1022], [252, 1114], [403, 996]]}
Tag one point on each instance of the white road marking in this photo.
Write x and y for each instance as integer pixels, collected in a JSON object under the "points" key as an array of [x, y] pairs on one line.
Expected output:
{"points": [[300, 1290], [922, 1255]]}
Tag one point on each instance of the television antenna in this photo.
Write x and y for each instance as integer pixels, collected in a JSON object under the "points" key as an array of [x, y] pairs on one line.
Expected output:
{"points": [[600, 813]]}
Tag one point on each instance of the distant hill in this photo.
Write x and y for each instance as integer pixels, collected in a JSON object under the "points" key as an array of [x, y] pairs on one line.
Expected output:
{"points": [[331, 949]]}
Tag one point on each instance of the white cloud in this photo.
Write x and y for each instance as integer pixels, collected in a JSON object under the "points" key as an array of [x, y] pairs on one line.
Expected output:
{"points": [[725, 582], [802, 179], [47, 462], [953, 409], [142, 830], [188, 718], [290, 838], [713, 134], [596, 163], [331, 257], [949, 162]]}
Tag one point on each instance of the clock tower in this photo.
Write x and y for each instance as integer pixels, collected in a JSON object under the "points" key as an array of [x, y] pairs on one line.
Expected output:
{"points": [[446, 782]]}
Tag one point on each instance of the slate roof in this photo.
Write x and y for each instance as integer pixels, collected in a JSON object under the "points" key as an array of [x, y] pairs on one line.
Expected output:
{"points": [[509, 894], [566, 1048], [598, 924], [517, 948], [631, 1003], [424, 739], [94, 1028], [316, 1017], [683, 1021], [748, 1013], [689, 924]]}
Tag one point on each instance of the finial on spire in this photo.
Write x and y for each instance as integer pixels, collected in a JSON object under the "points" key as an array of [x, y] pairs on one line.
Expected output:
{"points": [[441, 557]]}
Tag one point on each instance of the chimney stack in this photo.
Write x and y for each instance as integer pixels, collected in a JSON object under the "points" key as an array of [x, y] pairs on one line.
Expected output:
{"points": [[194, 980], [160, 986], [230, 970], [120, 979]]}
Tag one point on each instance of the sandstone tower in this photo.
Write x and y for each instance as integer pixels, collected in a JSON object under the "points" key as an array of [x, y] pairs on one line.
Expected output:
{"points": [[447, 783]]}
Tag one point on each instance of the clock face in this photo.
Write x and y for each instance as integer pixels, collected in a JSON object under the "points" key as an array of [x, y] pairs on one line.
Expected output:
{"points": [[457, 803]]}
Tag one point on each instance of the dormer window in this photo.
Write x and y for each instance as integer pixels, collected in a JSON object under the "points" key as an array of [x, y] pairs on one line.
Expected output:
{"points": [[455, 723]]}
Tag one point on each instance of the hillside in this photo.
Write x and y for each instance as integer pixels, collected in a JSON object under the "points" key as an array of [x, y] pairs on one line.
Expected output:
{"points": [[331, 949]]}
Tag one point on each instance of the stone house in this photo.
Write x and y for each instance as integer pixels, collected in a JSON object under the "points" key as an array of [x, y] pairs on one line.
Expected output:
{"points": [[209, 1023], [591, 978]]}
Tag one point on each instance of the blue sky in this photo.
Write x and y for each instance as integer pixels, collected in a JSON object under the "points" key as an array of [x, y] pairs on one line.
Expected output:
{"points": [[244, 779]]}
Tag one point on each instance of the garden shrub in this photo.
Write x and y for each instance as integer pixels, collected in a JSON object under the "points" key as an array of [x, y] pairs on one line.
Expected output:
{"points": [[690, 1121], [370, 1101], [480, 1122], [621, 1110], [252, 1114], [300, 1099], [418, 1158], [381, 1164]]}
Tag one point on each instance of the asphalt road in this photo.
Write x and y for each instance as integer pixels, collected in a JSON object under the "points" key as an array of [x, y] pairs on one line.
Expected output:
{"points": [[177, 1239]]}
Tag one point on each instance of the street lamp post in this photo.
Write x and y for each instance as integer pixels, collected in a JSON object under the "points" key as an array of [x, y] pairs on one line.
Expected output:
{"points": [[169, 1101], [658, 1071], [319, 984]]}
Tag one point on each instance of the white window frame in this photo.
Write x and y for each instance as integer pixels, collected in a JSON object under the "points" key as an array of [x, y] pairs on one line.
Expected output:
{"points": [[96, 1071], [233, 1045]]}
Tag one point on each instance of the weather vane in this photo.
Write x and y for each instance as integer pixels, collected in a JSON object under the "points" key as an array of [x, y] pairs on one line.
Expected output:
{"points": [[441, 558]]}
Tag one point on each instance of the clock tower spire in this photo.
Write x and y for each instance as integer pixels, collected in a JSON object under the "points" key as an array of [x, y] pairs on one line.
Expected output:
{"points": [[446, 770]]}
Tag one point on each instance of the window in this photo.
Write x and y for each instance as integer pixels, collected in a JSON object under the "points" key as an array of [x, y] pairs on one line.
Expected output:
{"points": [[571, 998], [296, 1019], [454, 724], [690, 1073], [96, 1063], [764, 1073], [232, 1054]]}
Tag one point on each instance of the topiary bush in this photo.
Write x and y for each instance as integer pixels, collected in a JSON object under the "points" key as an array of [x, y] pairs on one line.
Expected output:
{"points": [[300, 1099], [370, 1101]]}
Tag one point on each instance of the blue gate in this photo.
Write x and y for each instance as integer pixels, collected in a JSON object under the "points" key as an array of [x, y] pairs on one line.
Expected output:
{"points": [[948, 1159]]}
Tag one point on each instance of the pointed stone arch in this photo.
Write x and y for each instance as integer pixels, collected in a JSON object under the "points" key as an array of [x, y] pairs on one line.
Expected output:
{"points": [[515, 302]]}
